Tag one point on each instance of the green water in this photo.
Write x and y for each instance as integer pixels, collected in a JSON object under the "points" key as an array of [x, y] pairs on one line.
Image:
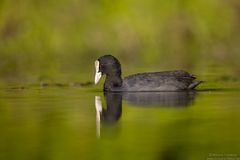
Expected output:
{"points": [[59, 123]]}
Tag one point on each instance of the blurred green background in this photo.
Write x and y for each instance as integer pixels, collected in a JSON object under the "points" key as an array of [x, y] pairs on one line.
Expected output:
{"points": [[58, 40]]}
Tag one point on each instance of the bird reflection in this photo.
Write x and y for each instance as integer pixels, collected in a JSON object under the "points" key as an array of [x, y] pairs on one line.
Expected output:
{"points": [[160, 99], [113, 110], [111, 113]]}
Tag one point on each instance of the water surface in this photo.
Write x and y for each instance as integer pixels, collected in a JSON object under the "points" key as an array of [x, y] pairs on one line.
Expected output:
{"points": [[67, 123]]}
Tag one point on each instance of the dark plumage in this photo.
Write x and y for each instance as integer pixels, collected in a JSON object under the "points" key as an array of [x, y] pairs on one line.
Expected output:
{"points": [[153, 81]]}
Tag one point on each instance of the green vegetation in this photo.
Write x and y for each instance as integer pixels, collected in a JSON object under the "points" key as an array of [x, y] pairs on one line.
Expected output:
{"points": [[59, 40]]}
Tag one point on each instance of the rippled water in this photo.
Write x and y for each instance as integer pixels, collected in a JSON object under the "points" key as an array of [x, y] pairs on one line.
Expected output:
{"points": [[80, 123]]}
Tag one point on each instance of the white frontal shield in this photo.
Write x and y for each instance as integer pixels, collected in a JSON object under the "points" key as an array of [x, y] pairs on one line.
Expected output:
{"points": [[97, 74]]}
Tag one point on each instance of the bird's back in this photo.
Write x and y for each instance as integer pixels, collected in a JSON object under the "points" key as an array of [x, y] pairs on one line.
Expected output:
{"points": [[160, 81]]}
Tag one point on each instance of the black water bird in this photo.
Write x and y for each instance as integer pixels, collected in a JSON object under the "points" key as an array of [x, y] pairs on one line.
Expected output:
{"points": [[152, 81]]}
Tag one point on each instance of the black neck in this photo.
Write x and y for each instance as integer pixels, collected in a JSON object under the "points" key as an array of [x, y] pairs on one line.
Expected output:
{"points": [[113, 82]]}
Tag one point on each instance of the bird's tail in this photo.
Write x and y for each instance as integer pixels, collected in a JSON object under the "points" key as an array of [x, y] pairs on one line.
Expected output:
{"points": [[194, 84]]}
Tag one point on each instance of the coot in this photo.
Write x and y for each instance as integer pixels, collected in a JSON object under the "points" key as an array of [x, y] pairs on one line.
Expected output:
{"points": [[153, 81]]}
